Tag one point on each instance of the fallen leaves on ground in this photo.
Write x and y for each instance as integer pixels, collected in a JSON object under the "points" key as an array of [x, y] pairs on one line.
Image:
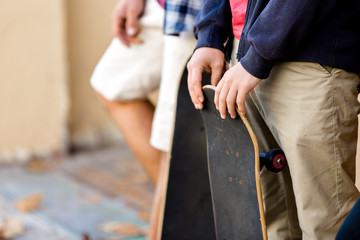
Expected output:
{"points": [[38, 166], [143, 215], [91, 198], [125, 229], [29, 203], [11, 227]]}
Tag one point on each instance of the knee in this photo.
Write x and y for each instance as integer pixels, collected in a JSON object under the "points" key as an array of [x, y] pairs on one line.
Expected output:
{"points": [[108, 104]]}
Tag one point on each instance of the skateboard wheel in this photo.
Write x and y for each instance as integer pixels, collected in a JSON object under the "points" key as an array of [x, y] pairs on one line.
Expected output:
{"points": [[275, 160]]}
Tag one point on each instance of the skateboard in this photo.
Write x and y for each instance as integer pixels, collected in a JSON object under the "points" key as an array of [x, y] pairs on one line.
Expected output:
{"points": [[187, 212], [192, 208], [234, 170]]}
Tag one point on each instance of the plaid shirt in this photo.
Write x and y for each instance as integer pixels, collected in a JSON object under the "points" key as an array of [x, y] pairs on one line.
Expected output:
{"points": [[180, 15]]}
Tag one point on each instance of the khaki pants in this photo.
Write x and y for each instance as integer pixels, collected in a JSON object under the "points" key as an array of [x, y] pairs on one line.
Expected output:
{"points": [[311, 110]]}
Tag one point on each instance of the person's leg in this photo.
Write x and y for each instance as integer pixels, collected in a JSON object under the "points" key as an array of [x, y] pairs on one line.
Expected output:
{"points": [[124, 78], [279, 202], [124, 89], [312, 112], [134, 119]]}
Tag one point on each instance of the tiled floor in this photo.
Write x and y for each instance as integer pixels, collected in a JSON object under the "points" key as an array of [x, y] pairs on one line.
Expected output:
{"points": [[80, 193]]}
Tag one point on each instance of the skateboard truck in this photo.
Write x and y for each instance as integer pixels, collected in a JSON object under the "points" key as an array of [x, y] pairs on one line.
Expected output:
{"points": [[274, 160]]}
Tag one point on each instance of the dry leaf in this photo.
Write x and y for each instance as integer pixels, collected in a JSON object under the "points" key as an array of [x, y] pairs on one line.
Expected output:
{"points": [[125, 229], [29, 203], [37, 165], [143, 215], [11, 227], [93, 198]]}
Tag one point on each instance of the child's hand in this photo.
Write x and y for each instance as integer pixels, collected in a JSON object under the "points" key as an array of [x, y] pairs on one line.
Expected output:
{"points": [[204, 59], [125, 21], [232, 89]]}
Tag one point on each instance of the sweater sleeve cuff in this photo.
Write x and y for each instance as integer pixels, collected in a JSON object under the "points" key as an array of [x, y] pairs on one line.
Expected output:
{"points": [[210, 37], [255, 64]]}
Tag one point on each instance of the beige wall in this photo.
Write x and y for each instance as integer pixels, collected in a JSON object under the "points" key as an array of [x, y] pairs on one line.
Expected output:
{"points": [[89, 33], [33, 74], [48, 50]]}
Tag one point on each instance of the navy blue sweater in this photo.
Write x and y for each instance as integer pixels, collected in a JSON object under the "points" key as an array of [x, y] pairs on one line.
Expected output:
{"points": [[320, 31]]}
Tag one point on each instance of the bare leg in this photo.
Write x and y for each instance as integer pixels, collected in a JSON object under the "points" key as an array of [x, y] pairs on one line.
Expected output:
{"points": [[134, 120], [159, 199]]}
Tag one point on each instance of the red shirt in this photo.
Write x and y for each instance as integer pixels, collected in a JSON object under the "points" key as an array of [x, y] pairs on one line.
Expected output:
{"points": [[238, 10], [162, 3]]}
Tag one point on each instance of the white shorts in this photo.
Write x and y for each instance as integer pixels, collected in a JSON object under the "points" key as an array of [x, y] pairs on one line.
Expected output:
{"points": [[177, 51], [126, 74]]}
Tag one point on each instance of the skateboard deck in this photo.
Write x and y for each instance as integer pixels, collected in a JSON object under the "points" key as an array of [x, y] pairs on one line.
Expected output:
{"points": [[234, 170], [187, 213]]}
